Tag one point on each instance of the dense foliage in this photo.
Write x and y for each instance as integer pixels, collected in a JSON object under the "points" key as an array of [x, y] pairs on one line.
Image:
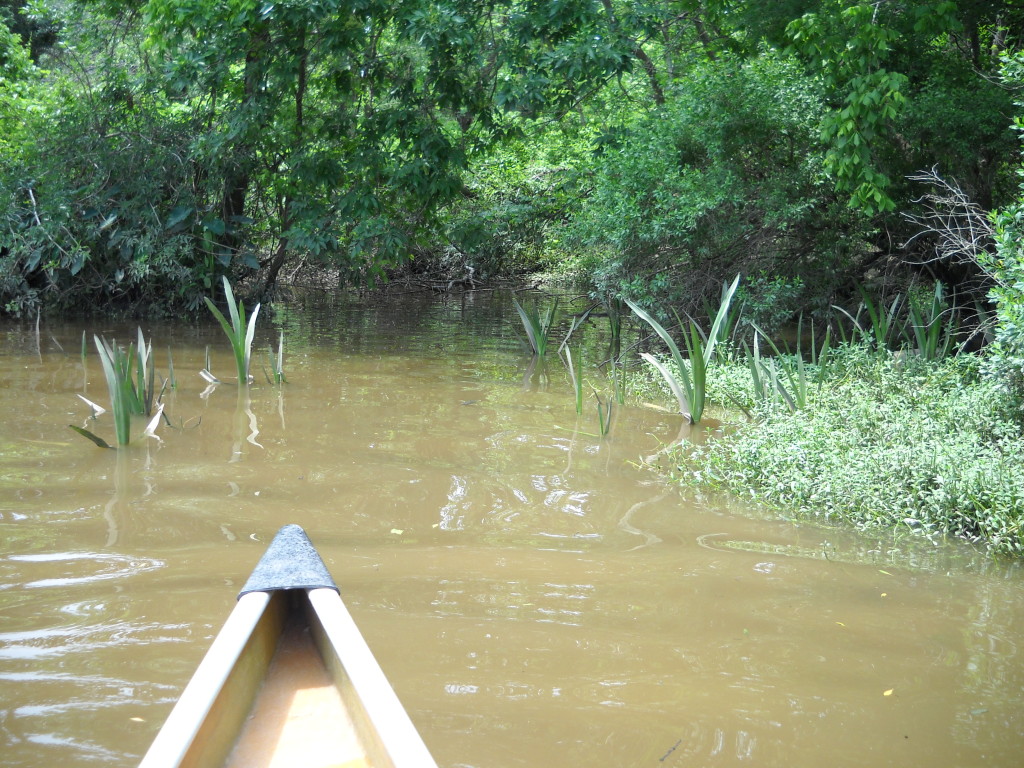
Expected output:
{"points": [[175, 141], [650, 148], [1006, 265], [882, 441], [727, 177]]}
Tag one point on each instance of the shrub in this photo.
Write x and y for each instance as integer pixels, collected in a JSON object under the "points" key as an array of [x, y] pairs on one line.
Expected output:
{"points": [[1006, 268], [725, 178], [87, 204], [904, 443], [516, 200]]}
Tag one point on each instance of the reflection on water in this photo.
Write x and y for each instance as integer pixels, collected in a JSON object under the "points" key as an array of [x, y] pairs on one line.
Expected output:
{"points": [[94, 566], [536, 597]]}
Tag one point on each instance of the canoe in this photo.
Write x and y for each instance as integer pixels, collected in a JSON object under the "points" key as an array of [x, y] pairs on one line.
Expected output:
{"points": [[289, 681]]}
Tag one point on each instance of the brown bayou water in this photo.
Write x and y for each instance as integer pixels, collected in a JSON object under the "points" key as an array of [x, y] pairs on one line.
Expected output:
{"points": [[537, 598]]}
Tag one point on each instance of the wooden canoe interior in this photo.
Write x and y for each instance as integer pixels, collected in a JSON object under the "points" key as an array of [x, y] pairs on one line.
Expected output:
{"points": [[298, 718], [288, 701]]}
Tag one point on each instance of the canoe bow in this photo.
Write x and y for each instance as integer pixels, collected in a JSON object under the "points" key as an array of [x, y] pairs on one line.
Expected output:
{"points": [[289, 586]]}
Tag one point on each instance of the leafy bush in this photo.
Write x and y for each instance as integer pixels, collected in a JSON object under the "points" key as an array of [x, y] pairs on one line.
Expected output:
{"points": [[1006, 267], [726, 178], [770, 300], [516, 200], [955, 121], [884, 442], [85, 207]]}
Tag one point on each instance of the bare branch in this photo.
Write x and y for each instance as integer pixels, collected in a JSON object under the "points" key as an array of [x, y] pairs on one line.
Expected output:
{"points": [[962, 230]]}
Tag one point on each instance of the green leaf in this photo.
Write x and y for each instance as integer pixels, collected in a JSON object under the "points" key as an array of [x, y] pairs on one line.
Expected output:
{"points": [[216, 226], [673, 384], [178, 215], [98, 441]]}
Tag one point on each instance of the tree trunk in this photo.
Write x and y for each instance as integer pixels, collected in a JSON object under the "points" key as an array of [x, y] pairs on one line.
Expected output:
{"points": [[274, 268]]}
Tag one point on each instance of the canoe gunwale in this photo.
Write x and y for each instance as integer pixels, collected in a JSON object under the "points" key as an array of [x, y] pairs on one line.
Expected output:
{"points": [[387, 732], [203, 723], [207, 719]]}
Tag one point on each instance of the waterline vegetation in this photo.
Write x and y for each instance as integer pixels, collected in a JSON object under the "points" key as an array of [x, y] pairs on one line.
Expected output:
{"points": [[933, 325], [931, 447], [130, 378], [605, 411], [537, 326], [891, 426], [838, 431], [689, 381], [239, 331], [787, 376], [275, 374], [576, 378]]}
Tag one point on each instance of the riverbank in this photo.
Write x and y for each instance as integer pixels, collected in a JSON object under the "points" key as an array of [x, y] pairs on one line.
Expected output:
{"points": [[933, 448]]}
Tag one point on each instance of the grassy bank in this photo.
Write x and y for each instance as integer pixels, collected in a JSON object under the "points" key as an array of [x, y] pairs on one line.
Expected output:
{"points": [[882, 441]]}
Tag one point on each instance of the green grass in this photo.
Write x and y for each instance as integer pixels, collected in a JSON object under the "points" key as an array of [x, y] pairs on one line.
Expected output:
{"points": [[931, 447]]}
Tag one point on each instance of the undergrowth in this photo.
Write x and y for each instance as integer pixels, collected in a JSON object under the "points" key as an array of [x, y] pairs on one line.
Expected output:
{"points": [[884, 441]]}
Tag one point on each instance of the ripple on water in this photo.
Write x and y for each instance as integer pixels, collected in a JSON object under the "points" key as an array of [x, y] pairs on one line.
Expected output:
{"points": [[77, 568]]}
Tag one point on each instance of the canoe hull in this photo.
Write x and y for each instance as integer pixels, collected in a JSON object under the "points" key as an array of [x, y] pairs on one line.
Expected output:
{"points": [[204, 727]]}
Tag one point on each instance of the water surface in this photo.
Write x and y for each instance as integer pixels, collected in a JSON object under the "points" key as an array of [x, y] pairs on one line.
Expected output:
{"points": [[537, 596]]}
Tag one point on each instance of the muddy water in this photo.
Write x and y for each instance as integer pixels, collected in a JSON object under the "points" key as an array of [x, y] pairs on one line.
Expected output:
{"points": [[536, 597]]}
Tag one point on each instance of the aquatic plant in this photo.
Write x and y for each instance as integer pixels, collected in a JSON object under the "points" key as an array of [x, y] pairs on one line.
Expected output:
{"points": [[614, 306], [144, 391], [931, 448], [604, 414], [928, 329], [576, 377], [689, 381], [577, 321], [536, 325], [786, 375], [130, 381], [618, 376], [275, 375], [171, 380], [883, 330], [239, 332], [763, 374], [729, 326]]}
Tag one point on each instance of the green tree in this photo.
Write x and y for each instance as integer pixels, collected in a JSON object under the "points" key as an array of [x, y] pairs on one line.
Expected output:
{"points": [[1006, 266], [345, 128], [726, 178], [15, 74], [243, 134], [95, 162], [879, 59], [36, 28]]}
